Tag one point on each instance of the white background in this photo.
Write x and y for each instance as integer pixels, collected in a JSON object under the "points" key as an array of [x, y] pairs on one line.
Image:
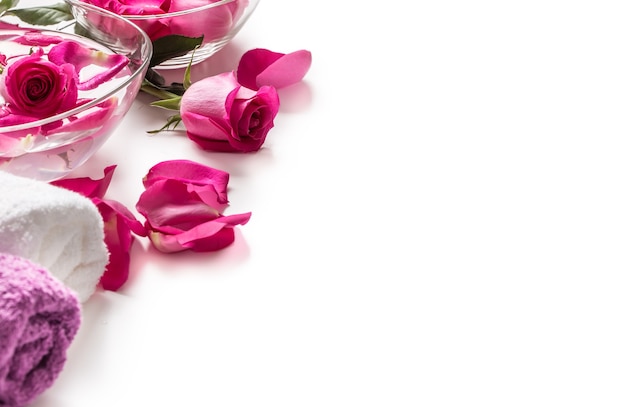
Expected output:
{"points": [[438, 219]]}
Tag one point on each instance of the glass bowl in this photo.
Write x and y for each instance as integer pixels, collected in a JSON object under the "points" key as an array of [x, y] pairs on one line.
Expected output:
{"points": [[217, 22], [52, 143]]}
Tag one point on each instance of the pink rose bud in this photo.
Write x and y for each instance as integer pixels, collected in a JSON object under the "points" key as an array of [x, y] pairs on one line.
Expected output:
{"points": [[221, 115], [34, 86], [259, 67]]}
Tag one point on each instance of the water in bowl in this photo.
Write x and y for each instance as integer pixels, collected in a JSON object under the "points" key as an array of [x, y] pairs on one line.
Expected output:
{"points": [[50, 147]]}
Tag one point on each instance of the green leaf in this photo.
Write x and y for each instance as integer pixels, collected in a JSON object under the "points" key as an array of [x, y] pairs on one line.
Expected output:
{"points": [[6, 5], [187, 76], [44, 15], [172, 46], [171, 104]]}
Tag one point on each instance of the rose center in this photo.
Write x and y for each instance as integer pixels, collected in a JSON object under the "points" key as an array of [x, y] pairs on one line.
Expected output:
{"points": [[37, 89], [255, 120]]}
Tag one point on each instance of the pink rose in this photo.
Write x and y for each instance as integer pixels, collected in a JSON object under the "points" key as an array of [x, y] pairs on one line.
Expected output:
{"points": [[34, 86], [219, 114], [183, 203]]}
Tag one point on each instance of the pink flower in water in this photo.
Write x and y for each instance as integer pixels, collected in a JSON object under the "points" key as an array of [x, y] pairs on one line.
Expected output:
{"points": [[183, 203], [132, 7], [219, 114], [213, 23], [34, 86], [43, 84], [259, 67]]}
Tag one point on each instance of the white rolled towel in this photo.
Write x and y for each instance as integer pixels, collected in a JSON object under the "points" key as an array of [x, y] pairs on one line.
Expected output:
{"points": [[56, 228]]}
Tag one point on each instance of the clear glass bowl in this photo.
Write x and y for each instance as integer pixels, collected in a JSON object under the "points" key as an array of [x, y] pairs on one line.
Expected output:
{"points": [[218, 22], [51, 147]]}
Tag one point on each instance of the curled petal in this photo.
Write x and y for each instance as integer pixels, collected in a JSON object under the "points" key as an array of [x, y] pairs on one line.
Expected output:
{"points": [[71, 52], [126, 216], [259, 67], [87, 186], [189, 172], [119, 226], [209, 236], [119, 240], [183, 203], [170, 207]]}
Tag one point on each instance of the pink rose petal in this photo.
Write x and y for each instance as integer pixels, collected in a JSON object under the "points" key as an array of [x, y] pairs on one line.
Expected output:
{"points": [[190, 172], [87, 186], [70, 52], [259, 67]]}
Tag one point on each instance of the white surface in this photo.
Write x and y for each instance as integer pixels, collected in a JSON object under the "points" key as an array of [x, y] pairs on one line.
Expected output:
{"points": [[438, 219]]}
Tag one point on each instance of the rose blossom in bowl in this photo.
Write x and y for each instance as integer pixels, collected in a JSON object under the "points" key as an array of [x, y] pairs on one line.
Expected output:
{"points": [[216, 21], [64, 90]]}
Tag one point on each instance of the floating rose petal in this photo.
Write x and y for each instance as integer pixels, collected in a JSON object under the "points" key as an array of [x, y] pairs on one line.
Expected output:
{"points": [[37, 38], [132, 7], [94, 119], [70, 52]]}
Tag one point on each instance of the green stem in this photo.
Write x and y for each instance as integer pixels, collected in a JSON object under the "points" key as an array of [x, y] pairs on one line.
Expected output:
{"points": [[160, 93]]}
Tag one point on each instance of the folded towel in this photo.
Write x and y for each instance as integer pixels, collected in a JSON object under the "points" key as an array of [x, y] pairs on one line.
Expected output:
{"points": [[58, 229], [39, 318]]}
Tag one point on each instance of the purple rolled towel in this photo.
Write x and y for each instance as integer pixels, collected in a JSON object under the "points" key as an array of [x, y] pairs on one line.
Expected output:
{"points": [[39, 317]]}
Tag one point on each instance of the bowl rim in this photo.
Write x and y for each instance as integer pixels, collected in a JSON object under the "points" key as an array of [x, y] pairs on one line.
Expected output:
{"points": [[183, 12], [99, 99]]}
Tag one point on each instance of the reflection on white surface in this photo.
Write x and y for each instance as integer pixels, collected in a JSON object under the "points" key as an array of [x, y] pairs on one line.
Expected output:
{"points": [[437, 222]]}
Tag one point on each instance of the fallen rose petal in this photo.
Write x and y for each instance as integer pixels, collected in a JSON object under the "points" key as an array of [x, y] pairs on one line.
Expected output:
{"points": [[118, 236], [259, 67], [119, 226], [171, 206], [190, 172], [91, 188], [183, 209], [210, 236]]}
